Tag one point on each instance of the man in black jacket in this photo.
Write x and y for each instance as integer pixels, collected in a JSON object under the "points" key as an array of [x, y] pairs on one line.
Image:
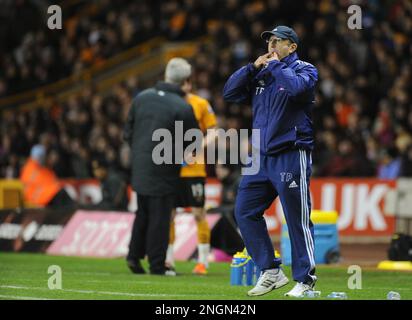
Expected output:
{"points": [[113, 184], [156, 110]]}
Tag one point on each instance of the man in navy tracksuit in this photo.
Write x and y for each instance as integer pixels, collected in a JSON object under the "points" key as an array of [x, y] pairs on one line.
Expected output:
{"points": [[281, 89]]}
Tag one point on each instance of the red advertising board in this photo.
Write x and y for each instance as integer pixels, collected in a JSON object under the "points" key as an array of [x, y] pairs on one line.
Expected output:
{"points": [[359, 203]]}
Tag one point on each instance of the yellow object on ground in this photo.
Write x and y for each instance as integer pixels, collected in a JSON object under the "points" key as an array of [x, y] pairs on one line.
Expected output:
{"points": [[327, 217], [245, 254], [321, 217], [395, 265], [11, 194]]}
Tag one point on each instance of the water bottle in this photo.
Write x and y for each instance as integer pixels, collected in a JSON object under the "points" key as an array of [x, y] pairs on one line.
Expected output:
{"points": [[237, 270], [249, 269], [252, 272], [392, 295], [243, 270], [338, 295], [311, 294], [257, 272]]}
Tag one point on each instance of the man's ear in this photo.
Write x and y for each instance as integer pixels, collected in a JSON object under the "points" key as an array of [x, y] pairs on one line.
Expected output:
{"points": [[293, 47], [187, 85]]}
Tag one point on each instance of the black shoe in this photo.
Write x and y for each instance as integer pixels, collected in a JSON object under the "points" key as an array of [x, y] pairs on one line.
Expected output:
{"points": [[135, 267], [167, 271], [170, 271]]}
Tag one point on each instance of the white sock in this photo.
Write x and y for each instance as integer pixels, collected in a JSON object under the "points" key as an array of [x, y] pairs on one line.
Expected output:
{"points": [[272, 271], [170, 259], [203, 252]]}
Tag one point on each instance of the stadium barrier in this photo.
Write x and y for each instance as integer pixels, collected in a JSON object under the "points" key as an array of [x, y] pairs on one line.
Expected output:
{"points": [[100, 233], [360, 204], [107, 234], [363, 205], [31, 229]]}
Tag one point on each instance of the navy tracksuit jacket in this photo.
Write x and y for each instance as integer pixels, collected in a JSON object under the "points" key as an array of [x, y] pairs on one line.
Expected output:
{"points": [[282, 95]]}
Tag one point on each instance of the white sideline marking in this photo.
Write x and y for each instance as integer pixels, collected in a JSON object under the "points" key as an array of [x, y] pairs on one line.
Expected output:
{"points": [[98, 292], [90, 273], [22, 298], [92, 281], [119, 280]]}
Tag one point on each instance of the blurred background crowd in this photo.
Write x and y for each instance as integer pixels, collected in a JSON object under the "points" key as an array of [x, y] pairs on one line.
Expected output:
{"points": [[363, 113]]}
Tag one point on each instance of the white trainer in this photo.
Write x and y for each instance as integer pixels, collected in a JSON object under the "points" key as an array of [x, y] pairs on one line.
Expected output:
{"points": [[300, 288], [269, 280]]}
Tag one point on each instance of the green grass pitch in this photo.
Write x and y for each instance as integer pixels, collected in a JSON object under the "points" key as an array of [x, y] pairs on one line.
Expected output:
{"points": [[25, 276]]}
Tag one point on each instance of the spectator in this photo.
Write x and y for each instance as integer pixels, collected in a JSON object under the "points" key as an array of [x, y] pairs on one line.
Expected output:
{"points": [[229, 177], [390, 164], [113, 185], [363, 95], [41, 185], [346, 163], [406, 167]]}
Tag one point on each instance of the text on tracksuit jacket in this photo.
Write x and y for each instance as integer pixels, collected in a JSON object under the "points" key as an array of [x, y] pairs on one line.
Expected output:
{"points": [[282, 95]]}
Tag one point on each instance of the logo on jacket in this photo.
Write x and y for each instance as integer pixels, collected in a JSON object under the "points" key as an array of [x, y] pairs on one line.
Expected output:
{"points": [[286, 176], [259, 90], [260, 87], [293, 185]]}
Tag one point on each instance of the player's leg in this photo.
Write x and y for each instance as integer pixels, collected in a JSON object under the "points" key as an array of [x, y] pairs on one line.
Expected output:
{"points": [[179, 202], [291, 177], [195, 198], [160, 209], [170, 260], [255, 195], [203, 240], [137, 245]]}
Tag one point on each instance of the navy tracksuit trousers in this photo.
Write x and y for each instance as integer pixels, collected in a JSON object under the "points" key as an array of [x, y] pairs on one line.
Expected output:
{"points": [[285, 175]]}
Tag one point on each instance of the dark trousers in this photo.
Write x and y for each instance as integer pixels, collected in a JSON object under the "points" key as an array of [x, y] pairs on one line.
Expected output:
{"points": [[61, 199], [285, 175], [150, 233]]}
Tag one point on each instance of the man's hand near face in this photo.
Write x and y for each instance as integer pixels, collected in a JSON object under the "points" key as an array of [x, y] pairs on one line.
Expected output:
{"points": [[262, 60], [265, 59], [273, 56]]}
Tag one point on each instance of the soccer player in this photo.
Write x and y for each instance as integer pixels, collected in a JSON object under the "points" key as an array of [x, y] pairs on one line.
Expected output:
{"points": [[281, 89], [192, 187]]}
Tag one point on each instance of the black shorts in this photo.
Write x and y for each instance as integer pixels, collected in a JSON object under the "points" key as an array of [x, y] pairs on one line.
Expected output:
{"points": [[191, 193]]}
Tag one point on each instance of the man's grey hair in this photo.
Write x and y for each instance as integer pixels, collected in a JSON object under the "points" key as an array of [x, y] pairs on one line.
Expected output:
{"points": [[177, 71]]}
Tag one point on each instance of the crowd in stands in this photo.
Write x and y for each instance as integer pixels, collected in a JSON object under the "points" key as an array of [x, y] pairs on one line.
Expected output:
{"points": [[363, 113]]}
